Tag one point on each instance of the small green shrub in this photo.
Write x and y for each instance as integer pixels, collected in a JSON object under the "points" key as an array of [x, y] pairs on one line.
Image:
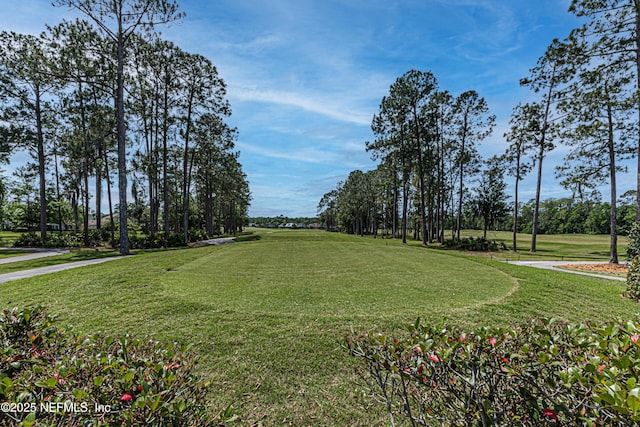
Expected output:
{"points": [[474, 245], [543, 373], [633, 244], [197, 235], [175, 240], [28, 240], [50, 376], [145, 241], [58, 240], [633, 279], [156, 241]]}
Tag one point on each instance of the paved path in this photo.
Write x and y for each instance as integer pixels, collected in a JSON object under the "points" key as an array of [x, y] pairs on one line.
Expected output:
{"points": [[37, 253], [22, 274], [555, 265], [218, 241], [41, 253]]}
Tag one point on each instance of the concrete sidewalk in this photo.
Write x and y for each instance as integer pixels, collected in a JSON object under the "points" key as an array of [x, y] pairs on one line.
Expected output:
{"points": [[556, 266], [17, 275], [37, 253], [215, 242]]}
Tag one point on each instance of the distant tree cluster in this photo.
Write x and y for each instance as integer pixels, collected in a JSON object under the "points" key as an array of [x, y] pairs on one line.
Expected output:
{"points": [[588, 101], [426, 140], [107, 97], [282, 221], [573, 216]]}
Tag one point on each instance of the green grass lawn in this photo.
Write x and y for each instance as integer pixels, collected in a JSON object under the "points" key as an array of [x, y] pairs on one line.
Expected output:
{"points": [[268, 316], [8, 237]]}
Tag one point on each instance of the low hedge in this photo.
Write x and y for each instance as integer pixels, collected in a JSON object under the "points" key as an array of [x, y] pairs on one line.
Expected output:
{"points": [[478, 244], [543, 373], [50, 377]]}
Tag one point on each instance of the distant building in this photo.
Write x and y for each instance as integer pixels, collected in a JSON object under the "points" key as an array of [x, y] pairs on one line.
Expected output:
{"points": [[56, 227], [93, 224]]}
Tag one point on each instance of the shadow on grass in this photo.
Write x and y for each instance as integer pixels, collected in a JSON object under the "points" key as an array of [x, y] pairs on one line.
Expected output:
{"points": [[248, 238], [86, 254]]}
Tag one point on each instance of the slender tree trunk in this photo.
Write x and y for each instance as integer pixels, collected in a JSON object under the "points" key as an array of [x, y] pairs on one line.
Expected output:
{"points": [[185, 171], [99, 171], [423, 225], [405, 203], [41, 168], [454, 227], [165, 137], [421, 177], [443, 193], [85, 223], [613, 250], [98, 199], [208, 209], [430, 213], [155, 200], [60, 220], [636, 4], [84, 170], [74, 206], [147, 124], [515, 205], [536, 209], [543, 141], [396, 194], [108, 178], [461, 182], [122, 144]]}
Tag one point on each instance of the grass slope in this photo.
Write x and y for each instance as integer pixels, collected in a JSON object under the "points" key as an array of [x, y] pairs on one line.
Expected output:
{"points": [[268, 316]]}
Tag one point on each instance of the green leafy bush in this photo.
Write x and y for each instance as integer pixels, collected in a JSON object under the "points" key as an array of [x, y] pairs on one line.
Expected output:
{"points": [[542, 373], [175, 240], [145, 241], [633, 280], [197, 235], [28, 240], [474, 245], [156, 241], [633, 241], [52, 377], [58, 240]]}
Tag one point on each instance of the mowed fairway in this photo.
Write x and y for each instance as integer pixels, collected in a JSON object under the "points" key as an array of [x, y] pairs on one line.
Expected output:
{"points": [[268, 317]]}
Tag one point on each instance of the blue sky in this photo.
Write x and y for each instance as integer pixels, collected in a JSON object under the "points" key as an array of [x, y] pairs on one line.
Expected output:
{"points": [[305, 77]]}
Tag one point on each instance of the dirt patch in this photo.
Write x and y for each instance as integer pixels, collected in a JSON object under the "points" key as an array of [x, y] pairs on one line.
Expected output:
{"points": [[614, 269]]}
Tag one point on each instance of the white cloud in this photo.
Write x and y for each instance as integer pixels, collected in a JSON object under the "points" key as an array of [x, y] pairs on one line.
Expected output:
{"points": [[307, 102], [311, 154]]}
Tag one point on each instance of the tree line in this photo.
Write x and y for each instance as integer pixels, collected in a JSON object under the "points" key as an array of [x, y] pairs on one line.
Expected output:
{"points": [[106, 101], [426, 139]]}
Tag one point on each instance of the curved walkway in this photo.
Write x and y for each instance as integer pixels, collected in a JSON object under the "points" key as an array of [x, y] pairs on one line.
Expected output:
{"points": [[556, 266], [42, 253], [37, 253]]}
